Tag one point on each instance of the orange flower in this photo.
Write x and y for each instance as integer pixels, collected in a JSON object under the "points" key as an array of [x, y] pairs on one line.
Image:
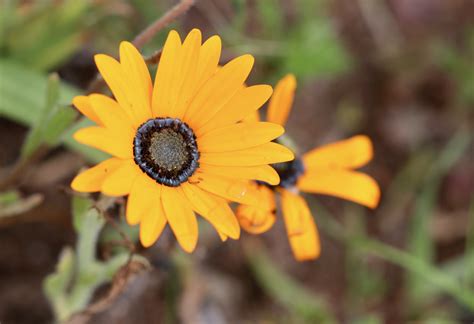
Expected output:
{"points": [[177, 146], [328, 170]]}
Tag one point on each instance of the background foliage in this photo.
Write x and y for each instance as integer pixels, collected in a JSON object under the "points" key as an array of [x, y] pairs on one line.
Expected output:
{"points": [[400, 71]]}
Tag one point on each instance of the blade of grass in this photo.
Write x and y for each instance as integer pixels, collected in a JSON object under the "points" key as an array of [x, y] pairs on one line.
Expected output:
{"points": [[286, 290], [420, 243]]}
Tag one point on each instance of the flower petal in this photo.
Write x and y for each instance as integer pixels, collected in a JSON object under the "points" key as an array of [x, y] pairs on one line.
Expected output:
{"points": [[224, 187], [114, 76], [181, 217], [115, 143], [258, 219], [91, 179], [119, 182], [162, 89], [300, 227], [111, 114], [143, 194], [139, 81], [264, 154], [351, 185], [263, 173], [153, 221], [185, 77], [83, 104], [280, 104], [218, 90], [244, 103], [209, 56], [239, 136], [350, 153], [214, 209]]}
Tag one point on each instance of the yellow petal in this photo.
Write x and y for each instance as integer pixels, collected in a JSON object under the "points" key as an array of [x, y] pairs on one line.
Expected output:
{"points": [[351, 185], [120, 181], [300, 227], [114, 76], [222, 236], [209, 56], [153, 222], [213, 209], [111, 114], [264, 154], [218, 90], [253, 117], [91, 179], [280, 104], [260, 218], [224, 187], [181, 217], [144, 193], [185, 77], [350, 153], [239, 136], [162, 89], [244, 103], [83, 104], [115, 143], [263, 173], [139, 85]]}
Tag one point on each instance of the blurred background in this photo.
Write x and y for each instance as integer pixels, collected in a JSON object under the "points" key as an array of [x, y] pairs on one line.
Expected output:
{"points": [[400, 71]]}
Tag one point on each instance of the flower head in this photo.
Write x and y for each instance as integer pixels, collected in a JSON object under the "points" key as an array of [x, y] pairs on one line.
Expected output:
{"points": [[328, 170], [177, 145]]}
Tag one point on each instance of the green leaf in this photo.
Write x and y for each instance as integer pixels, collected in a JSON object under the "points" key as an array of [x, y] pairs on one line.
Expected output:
{"points": [[316, 50], [35, 136], [22, 100], [286, 290], [420, 243]]}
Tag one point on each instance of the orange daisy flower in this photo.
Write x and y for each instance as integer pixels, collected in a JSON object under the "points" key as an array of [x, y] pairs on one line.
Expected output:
{"points": [[328, 170], [177, 146]]}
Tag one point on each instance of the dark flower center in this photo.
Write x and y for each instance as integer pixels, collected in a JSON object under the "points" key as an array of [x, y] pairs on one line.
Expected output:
{"points": [[289, 172], [166, 150]]}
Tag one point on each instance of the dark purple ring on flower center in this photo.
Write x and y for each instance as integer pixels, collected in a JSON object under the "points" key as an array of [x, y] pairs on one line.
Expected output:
{"points": [[166, 150], [289, 173]]}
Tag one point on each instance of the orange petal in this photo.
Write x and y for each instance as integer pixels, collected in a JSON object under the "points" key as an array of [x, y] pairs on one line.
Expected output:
{"points": [[153, 221], [120, 181], [239, 136], [139, 85], [186, 76], [83, 104], [214, 209], [350, 153], [209, 56], [114, 76], [181, 217], [263, 173], [280, 104], [253, 117], [264, 154], [111, 114], [144, 193], [224, 187], [244, 104], [118, 144], [300, 227], [162, 90], [91, 179], [258, 219], [351, 185], [218, 90]]}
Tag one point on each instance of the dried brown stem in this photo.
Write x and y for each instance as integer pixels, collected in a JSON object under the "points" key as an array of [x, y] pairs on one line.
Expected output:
{"points": [[145, 36], [175, 12]]}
